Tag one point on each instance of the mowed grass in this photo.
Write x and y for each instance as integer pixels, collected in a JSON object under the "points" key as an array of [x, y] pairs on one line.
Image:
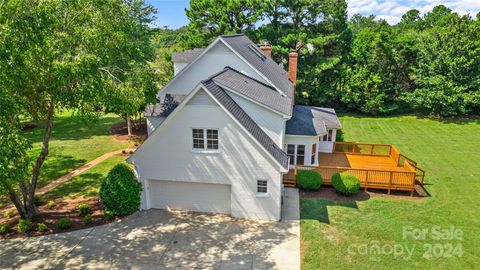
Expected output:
{"points": [[339, 235], [86, 184], [74, 143]]}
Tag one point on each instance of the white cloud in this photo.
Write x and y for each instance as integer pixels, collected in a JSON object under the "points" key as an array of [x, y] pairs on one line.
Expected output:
{"points": [[392, 10]]}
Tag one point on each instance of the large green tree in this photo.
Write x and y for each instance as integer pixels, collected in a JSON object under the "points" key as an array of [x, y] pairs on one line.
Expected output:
{"points": [[448, 72], [211, 18], [64, 54]]}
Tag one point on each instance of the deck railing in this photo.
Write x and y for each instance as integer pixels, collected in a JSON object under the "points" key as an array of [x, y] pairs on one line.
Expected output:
{"points": [[369, 178], [383, 150]]}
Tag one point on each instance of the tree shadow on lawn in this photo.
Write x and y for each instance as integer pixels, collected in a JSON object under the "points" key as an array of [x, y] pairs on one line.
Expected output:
{"points": [[85, 184], [73, 128], [314, 205], [459, 120], [56, 166]]}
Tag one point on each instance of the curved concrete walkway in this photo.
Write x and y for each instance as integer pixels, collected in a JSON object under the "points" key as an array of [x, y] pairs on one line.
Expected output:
{"points": [[157, 239]]}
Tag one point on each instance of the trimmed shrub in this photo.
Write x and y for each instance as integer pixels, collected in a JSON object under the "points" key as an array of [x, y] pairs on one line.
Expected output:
{"points": [[5, 228], [41, 227], [309, 180], [50, 204], [37, 200], [83, 209], [64, 223], [9, 214], [120, 191], [345, 183], [24, 225], [87, 219], [108, 215]]}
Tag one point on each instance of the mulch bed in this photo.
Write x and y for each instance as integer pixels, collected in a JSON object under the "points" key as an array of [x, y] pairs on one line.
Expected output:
{"points": [[63, 208], [120, 132], [328, 192]]}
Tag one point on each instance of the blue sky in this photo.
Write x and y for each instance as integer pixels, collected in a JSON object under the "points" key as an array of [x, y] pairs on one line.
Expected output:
{"points": [[172, 12]]}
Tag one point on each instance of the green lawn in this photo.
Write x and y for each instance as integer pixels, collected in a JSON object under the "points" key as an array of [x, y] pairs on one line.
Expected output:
{"points": [[87, 183], [335, 234], [73, 144]]}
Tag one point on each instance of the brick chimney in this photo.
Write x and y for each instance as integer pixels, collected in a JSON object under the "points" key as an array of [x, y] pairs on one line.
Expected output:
{"points": [[266, 49], [292, 70]]}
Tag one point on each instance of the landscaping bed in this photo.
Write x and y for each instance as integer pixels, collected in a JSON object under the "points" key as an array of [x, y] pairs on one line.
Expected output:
{"points": [[49, 216]]}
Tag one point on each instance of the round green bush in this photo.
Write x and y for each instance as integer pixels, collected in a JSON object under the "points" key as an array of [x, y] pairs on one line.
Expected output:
{"points": [[309, 180], [5, 228], [24, 225], [120, 191], [64, 223], [88, 219], [41, 227], [345, 183], [108, 215]]}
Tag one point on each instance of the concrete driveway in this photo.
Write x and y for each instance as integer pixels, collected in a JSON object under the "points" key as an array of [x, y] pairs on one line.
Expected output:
{"points": [[157, 239]]}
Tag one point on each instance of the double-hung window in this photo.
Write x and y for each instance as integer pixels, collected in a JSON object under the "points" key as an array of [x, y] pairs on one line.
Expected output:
{"points": [[328, 137], [313, 152], [205, 139]]}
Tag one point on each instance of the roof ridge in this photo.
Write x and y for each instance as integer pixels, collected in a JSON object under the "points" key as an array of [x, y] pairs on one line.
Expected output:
{"points": [[258, 81], [233, 35], [215, 75]]}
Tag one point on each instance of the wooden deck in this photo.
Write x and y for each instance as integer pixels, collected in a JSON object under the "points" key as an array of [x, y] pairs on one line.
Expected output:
{"points": [[376, 166]]}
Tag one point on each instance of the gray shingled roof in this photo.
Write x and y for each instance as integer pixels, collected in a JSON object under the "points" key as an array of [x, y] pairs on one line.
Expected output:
{"points": [[247, 122], [254, 89], [186, 56], [312, 121], [157, 109], [265, 65]]}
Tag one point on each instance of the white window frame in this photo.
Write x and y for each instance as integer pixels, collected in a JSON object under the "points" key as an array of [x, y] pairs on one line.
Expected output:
{"points": [[262, 194], [205, 148]]}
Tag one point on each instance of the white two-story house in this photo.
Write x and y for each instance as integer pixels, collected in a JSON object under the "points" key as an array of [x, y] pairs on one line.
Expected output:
{"points": [[226, 130]]}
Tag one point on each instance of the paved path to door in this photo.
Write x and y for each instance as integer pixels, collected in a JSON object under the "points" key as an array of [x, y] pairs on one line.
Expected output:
{"points": [[157, 239]]}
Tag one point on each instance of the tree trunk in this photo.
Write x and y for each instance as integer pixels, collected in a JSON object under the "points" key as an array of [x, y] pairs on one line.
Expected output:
{"points": [[29, 204], [129, 125]]}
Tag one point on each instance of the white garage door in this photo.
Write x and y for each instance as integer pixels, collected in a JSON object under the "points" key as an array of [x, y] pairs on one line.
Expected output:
{"points": [[201, 197]]}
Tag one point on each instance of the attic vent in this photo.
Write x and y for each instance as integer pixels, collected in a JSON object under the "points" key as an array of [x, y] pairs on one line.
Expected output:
{"points": [[257, 51]]}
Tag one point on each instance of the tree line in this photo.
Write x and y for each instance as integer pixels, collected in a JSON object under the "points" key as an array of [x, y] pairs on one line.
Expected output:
{"points": [[426, 64]]}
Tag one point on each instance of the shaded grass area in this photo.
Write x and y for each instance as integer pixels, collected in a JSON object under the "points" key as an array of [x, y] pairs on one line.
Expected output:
{"points": [[73, 143], [334, 234], [86, 184]]}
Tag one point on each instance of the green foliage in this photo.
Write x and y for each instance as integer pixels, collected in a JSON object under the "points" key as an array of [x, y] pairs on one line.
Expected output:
{"points": [[83, 209], [109, 215], [120, 191], [37, 200], [9, 213], [211, 18], [64, 223], [5, 228], [345, 183], [68, 55], [24, 225], [448, 72], [41, 227], [88, 219], [50, 204], [309, 180]]}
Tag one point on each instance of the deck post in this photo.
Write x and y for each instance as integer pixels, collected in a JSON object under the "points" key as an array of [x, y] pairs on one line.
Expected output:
{"points": [[411, 193], [389, 190]]}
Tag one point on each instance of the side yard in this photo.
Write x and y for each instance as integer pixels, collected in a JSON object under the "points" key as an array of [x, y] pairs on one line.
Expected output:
{"points": [[374, 232], [73, 144]]}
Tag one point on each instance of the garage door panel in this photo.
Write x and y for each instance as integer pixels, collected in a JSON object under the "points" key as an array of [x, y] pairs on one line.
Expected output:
{"points": [[202, 197]]}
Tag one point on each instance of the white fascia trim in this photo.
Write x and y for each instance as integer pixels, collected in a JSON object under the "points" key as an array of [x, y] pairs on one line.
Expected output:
{"points": [[248, 63], [303, 136], [189, 65], [253, 100], [183, 104]]}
